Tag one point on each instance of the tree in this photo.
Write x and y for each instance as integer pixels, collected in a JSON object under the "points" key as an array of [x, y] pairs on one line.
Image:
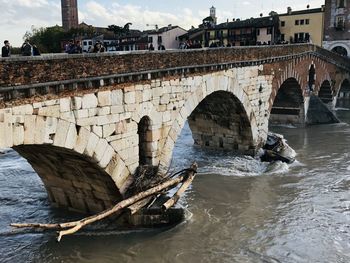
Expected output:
{"points": [[120, 31], [49, 39]]}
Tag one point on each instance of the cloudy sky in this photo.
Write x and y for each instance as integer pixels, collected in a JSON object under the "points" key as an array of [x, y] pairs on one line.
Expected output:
{"points": [[18, 16]]}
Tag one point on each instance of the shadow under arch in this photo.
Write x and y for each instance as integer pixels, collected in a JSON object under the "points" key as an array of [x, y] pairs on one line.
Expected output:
{"points": [[72, 180], [325, 92], [144, 131], [288, 105], [220, 121], [343, 97]]}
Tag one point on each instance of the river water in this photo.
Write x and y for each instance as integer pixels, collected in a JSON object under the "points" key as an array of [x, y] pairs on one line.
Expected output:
{"points": [[239, 209]]}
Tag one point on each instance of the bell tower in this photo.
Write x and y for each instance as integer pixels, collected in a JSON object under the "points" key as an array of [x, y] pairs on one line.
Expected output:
{"points": [[69, 14]]}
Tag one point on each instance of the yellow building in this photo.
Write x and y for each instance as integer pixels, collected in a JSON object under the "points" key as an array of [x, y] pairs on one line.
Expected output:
{"points": [[302, 26]]}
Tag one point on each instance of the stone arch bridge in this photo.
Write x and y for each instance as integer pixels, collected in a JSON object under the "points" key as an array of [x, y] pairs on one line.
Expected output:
{"points": [[86, 122]]}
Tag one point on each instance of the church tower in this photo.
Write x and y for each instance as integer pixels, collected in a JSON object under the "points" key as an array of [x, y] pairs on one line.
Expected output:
{"points": [[213, 14], [69, 14]]}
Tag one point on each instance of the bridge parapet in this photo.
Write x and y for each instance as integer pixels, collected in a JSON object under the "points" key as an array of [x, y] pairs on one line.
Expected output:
{"points": [[24, 77]]}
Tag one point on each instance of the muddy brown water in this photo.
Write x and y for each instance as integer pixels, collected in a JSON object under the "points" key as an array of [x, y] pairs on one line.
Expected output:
{"points": [[239, 210]]}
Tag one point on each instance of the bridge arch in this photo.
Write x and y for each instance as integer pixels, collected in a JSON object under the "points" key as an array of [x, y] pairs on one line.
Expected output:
{"points": [[288, 104], [80, 170], [343, 96], [325, 92], [206, 111]]}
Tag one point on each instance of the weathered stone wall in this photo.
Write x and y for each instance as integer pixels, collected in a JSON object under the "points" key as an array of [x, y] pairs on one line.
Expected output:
{"points": [[102, 128]]}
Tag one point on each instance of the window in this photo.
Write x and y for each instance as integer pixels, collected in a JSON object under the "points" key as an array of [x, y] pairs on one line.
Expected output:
{"points": [[296, 38], [340, 3], [296, 22], [302, 22], [307, 37], [282, 37], [90, 43], [283, 23], [307, 21], [339, 23], [150, 39], [269, 30], [84, 43], [258, 32], [159, 39]]}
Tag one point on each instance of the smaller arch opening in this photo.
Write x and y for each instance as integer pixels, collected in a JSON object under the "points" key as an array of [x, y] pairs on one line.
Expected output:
{"points": [[343, 98], [326, 93], [288, 106], [145, 141], [340, 50]]}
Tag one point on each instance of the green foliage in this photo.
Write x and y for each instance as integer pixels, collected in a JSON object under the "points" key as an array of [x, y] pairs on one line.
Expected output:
{"points": [[120, 31], [48, 39]]}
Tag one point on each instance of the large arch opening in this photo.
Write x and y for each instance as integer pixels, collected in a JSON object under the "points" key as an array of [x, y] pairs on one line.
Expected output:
{"points": [[221, 122], [288, 106], [343, 98], [325, 93], [340, 50], [72, 180], [145, 141]]}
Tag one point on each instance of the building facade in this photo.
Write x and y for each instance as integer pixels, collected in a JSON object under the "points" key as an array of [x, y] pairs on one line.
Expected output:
{"points": [[166, 36], [337, 26], [302, 26], [69, 14]]}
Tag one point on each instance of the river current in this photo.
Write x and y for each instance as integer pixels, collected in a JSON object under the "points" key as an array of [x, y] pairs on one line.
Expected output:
{"points": [[239, 209]]}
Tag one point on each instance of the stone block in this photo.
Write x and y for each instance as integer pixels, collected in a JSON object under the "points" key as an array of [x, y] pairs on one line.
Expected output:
{"points": [[107, 156], [68, 116], [117, 109], [93, 112], [77, 103], [87, 121], [130, 97], [146, 95], [165, 99], [108, 130], [71, 136], [40, 130], [91, 145], [50, 103], [61, 134], [104, 98], [98, 130], [100, 149], [79, 114], [18, 135], [117, 97], [82, 140], [50, 111], [89, 101], [103, 111], [23, 110], [107, 119], [29, 128], [65, 104]]}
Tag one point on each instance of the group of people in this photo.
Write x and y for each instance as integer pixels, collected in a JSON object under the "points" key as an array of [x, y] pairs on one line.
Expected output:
{"points": [[26, 49], [76, 48], [160, 47]]}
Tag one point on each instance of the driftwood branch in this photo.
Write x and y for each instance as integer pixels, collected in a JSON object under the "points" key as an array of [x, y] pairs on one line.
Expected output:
{"points": [[187, 182], [74, 226]]}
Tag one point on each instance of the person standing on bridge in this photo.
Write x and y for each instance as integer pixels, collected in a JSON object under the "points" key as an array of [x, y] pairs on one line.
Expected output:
{"points": [[6, 49], [26, 48]]}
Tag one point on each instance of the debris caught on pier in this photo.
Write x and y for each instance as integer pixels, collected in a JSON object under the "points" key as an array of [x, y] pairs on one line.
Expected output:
{"points": [[277, 149], [141, 198]]}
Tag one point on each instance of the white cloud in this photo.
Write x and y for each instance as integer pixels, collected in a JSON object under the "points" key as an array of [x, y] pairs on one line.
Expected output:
{"points": [[101, 15]]}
